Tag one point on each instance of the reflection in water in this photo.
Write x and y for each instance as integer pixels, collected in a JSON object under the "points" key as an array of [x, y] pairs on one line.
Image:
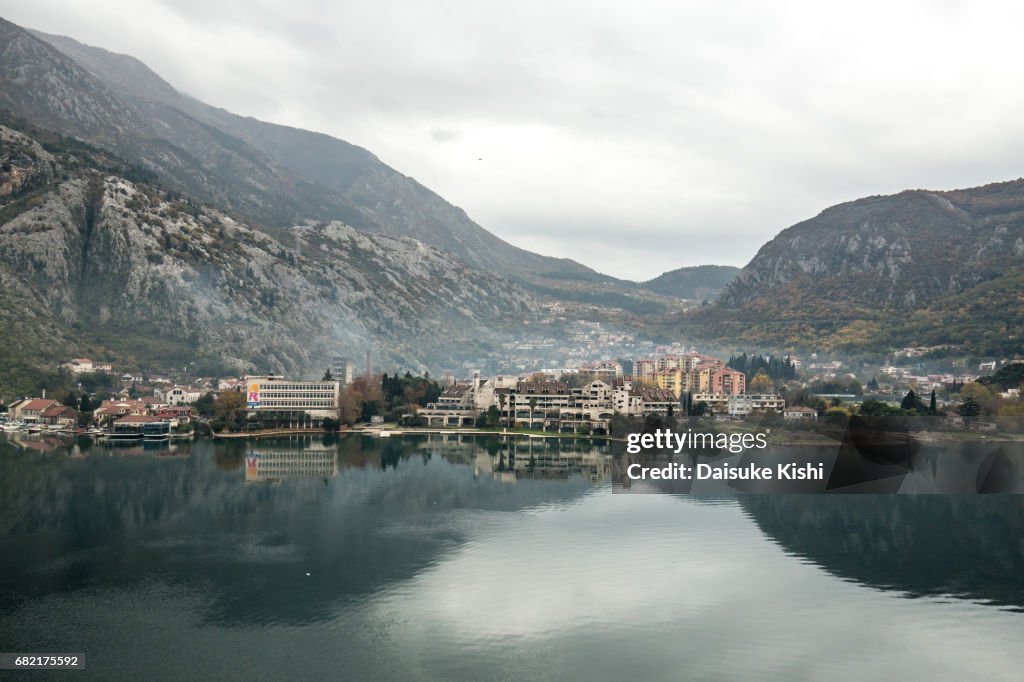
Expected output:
{"points": [[416, 560], [956, 546], [193, 517], [273, 466], [943, 468]]}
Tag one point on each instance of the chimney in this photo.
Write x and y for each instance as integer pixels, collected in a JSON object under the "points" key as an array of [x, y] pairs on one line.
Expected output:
{"points": [[476, 381], [369, 367]]}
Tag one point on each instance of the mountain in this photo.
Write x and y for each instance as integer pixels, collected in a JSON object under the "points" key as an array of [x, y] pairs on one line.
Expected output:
{"points": [[273, 175], [918, 267], [701, 282], [96, 260], [40, 84]]}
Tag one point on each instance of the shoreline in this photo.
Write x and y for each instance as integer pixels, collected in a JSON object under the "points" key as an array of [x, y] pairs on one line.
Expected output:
{"points": [[387, 432], [807, 440]]}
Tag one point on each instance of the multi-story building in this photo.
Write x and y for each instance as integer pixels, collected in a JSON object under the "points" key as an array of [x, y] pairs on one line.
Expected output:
{"points": [[342, 370], [677, 380], [745, 405], [717, 378], [59, 415], [292, 398], [740, 405], [644, 369], [658, 401], [30, 410]]}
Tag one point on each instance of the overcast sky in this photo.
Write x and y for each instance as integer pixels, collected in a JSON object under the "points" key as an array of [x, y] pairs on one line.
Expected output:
{"points": [[634, 137]]}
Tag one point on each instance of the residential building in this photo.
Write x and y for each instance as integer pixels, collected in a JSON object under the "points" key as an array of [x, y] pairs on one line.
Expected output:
{"points": [[740, 405], [59, 415], [182, 414], [179, 395], [120, 408], [717, 378], [746, 405], [31, 409], [230, 384], [677, 380], [799, 412]]}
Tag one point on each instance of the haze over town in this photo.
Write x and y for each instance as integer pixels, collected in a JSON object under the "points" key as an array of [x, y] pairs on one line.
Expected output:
{"points": [[604, 131]]}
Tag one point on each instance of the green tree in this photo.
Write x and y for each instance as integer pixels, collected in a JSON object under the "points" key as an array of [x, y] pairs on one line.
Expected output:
{"points": [[327, 375], [876, 408], [205, 405], [970, 408], [911, 402], [932, 406]]}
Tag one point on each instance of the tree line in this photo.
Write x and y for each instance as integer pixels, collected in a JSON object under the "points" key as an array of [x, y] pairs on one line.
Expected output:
{"points": [[779, 369]]}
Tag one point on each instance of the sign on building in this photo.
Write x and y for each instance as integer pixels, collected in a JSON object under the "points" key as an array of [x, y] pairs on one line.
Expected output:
{"points": [[254, 395]]}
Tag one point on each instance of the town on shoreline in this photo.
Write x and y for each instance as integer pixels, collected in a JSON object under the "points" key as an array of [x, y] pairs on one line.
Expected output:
{"points": [[602, 398]]}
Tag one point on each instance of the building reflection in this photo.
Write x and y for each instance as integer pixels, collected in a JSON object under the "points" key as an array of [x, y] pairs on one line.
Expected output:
{"points": [[40, 442], [540, 459], [506, 459], [81, 446], [270, 466]]}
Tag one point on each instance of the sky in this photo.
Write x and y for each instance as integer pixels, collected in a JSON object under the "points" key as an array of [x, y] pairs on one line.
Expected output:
{"points": [[633, 137]]}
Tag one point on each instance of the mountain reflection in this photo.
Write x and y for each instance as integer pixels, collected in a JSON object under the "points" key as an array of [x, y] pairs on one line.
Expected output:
{"points": [[921, 545], [291, 552]]}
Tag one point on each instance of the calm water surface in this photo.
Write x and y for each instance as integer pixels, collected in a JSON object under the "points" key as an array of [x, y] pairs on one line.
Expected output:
{"points": [[427, 559]]}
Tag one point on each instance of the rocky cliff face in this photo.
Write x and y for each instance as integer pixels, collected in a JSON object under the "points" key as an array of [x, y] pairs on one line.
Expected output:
{"points": [[277, 175], [90, 259], [912, 268], [897, 251]]}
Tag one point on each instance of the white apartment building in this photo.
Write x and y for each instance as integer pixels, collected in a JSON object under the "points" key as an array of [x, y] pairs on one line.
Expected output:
{"points": [[740, 405]]}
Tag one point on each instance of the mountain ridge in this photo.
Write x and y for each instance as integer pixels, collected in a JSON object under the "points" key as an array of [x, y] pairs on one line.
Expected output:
{"points": [[886, 270], [94, 263], [387, 200], [700, 282]]}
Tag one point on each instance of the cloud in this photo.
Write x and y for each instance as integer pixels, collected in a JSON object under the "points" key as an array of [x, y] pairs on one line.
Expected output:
{"points": [[445, 134], [681, 122]]}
